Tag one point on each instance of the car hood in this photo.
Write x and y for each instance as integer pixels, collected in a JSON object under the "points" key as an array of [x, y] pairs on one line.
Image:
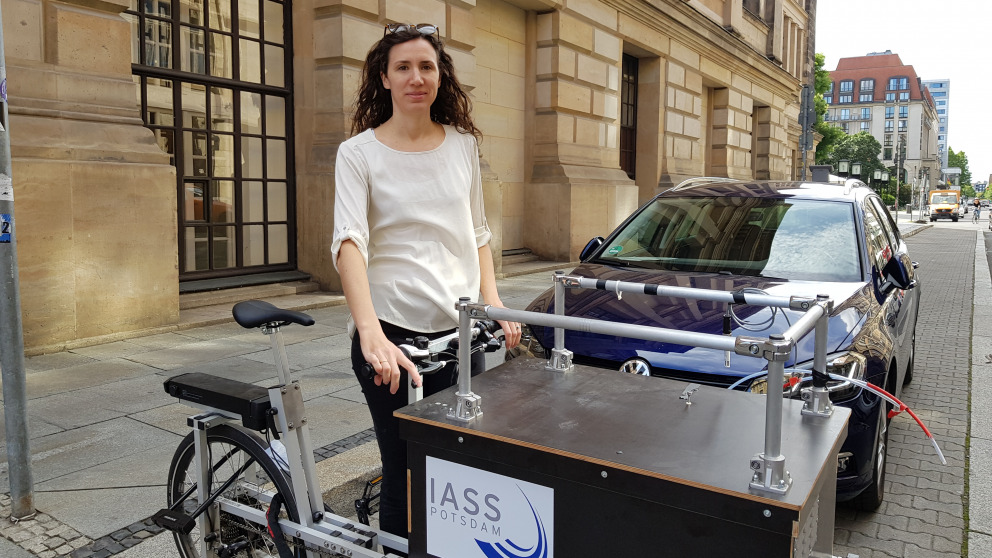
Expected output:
{"points": [[851, 303]]}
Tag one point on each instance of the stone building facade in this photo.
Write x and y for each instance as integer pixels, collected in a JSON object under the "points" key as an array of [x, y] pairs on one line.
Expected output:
{"points": [[162, 141]]}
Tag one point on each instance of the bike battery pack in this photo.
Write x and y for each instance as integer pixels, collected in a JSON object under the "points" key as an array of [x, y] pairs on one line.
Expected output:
{"points": [[248, 400]]}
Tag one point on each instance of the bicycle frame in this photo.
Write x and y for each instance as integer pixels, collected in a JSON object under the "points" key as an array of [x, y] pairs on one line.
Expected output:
{"points": [[324, 530]]}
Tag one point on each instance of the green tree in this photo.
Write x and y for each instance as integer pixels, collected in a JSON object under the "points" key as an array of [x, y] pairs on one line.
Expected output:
{"points": [[859, 148], [831, 134], [960, 160], [821, 79]]}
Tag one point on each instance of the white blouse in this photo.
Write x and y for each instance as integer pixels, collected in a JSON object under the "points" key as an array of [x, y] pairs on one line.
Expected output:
{"points": [[418, 220]]}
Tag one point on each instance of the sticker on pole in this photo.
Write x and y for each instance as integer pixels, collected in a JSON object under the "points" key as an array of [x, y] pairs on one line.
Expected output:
{"points": [[473, 513], [6, 188], [6, 228], [3, 89]]}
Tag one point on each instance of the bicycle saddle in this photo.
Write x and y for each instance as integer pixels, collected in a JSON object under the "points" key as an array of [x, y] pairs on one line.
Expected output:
{"points": [[256, 313]]}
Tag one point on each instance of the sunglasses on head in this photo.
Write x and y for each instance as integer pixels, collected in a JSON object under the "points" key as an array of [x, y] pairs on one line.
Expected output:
{"points": [[423, 28]]}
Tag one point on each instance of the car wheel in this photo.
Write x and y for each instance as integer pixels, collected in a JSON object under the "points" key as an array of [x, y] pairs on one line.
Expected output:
{"points": [[955, 219], [912, 358], [872, 497]]}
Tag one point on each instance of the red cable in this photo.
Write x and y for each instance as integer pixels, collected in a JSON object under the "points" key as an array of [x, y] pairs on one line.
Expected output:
{"points": [[904, 407]]}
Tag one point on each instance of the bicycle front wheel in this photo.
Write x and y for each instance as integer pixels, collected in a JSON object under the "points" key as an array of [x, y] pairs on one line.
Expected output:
{"points": [[232, 453]]}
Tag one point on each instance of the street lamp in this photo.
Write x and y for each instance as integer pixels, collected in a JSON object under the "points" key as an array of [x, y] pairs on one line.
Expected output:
{"points": [[842, 167], [856, 169], [875, 178]]}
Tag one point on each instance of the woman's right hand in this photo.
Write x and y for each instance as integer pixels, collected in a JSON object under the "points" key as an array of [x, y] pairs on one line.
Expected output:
{"points": [[388, 361]]}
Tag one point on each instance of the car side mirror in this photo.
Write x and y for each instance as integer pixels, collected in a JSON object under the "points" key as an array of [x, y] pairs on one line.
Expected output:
{"points": [[900, 271], [590, 248]]}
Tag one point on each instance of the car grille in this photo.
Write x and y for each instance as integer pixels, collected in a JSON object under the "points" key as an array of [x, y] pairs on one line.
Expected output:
{"points": [[717, 380]]}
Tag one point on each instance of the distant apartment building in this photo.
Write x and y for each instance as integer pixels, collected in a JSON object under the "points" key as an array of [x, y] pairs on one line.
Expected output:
{"points": [[940, 90], [880, 95]]}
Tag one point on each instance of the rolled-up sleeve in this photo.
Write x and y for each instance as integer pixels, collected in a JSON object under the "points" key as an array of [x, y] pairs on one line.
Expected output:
{"points": [[482, 233], [351, 202]]}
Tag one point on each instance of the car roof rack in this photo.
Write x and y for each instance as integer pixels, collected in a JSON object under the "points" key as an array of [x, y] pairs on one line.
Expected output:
{"points": [[691, 182]]}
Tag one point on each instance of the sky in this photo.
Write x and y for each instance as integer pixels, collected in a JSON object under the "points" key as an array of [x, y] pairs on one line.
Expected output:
{"points": [[940, 40]]}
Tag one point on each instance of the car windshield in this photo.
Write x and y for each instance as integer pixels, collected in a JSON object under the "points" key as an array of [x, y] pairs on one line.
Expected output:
{"points": [[943, 199], [786, 238]]}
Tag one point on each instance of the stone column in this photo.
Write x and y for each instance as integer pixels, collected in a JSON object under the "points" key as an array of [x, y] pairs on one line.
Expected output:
{"points": [[577, 189], [762, 142], [96, 197], [731, 133], [684, 136]]}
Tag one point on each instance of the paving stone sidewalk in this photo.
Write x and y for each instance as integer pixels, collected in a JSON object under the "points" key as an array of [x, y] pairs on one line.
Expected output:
{"points": [[923, 511]]}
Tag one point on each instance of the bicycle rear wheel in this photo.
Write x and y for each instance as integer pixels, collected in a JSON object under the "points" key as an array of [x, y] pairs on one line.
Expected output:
{"points": [[231, 453]]}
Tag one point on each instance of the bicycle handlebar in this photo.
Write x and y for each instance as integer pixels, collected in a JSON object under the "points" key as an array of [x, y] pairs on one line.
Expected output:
{"points": [[423, 351]]}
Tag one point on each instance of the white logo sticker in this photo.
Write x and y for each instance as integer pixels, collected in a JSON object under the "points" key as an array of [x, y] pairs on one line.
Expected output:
{"points": [[477, 514]]}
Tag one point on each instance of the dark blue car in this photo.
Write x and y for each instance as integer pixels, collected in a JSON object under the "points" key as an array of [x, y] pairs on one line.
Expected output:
{"points": [[780, 238]]}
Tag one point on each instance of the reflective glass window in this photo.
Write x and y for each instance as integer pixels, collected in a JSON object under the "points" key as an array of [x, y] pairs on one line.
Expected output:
{"points": [[216, 102]]}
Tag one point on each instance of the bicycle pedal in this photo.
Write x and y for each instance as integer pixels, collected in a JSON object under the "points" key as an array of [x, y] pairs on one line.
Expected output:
{"points": [[174, 521]]}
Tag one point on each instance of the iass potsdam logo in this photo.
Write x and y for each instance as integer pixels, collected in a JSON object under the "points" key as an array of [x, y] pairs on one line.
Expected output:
{"points": [[477, 514]]}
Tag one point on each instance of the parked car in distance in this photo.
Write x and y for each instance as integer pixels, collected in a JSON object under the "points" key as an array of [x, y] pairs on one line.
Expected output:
{"points": [[945, 204], [781, 238]]}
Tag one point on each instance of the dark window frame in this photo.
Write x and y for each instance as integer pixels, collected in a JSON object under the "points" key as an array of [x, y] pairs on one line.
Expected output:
{"points": [[174, 134], [628, 115]]}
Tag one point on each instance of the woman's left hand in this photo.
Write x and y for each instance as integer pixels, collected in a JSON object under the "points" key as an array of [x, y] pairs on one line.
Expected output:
{"points": [[511, 331]]}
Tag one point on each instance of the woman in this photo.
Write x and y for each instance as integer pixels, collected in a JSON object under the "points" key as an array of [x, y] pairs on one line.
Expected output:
{"points": [[410, 234]]}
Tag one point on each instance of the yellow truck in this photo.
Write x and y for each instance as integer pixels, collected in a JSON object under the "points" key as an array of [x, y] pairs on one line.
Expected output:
{"points": [[945, 204]]}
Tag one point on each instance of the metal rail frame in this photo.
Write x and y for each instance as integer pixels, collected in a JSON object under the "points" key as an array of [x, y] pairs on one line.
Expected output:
{"points": [[768, 467]]}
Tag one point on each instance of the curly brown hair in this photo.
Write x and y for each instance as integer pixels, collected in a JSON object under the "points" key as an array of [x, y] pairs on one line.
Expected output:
{"points": [[375, 106]]}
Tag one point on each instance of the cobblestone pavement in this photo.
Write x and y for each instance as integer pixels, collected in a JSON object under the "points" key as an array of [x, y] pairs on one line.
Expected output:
{"points": [[46, 537], [923, 511]]}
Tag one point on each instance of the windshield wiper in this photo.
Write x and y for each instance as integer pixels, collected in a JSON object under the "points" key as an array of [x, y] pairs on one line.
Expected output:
{"points": [[621, 263]]}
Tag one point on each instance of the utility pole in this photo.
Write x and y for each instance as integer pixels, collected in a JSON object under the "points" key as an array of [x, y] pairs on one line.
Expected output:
{"points": [[807, 119], [895, 161], [11, 331]]}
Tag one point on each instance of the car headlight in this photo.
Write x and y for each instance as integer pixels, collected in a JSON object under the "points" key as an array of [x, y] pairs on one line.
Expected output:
{"points": [[848, 365], [791, 383], [798, 379]]}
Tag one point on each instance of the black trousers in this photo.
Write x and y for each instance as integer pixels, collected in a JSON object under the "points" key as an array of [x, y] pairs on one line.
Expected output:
{"points": [[392, 493]]}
